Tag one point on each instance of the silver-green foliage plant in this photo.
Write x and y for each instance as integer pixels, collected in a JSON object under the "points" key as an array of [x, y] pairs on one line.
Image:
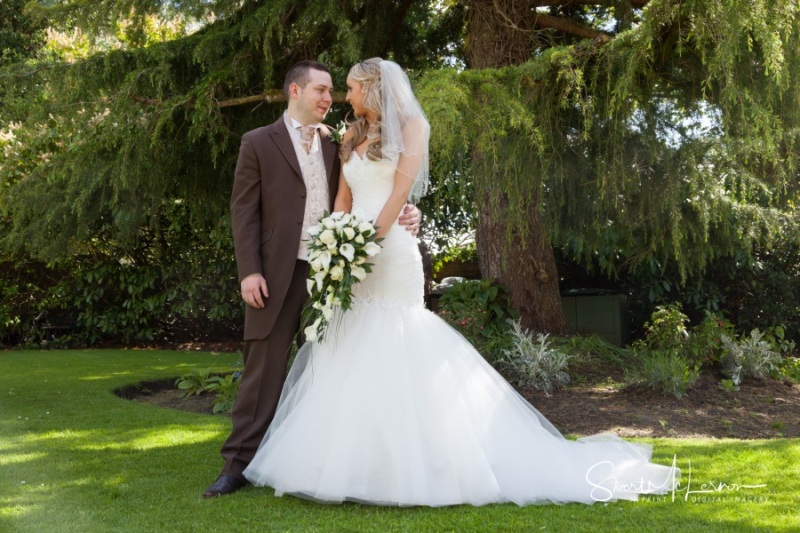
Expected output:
{"points": [[665, 371], [750, 356], [533, 361]]}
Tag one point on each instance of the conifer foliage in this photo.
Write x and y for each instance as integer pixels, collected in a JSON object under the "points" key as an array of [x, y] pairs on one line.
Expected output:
{"points": [[627, 132]]}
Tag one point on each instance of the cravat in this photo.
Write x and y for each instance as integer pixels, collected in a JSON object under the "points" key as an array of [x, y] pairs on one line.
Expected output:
{"points": [[307, 137]]}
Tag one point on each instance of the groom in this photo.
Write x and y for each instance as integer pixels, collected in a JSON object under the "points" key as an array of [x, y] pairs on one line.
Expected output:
{"points": [[287, 176]]}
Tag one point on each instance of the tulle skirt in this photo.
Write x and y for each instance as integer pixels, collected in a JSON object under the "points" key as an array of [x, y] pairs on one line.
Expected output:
{"points": [[395, 407]]}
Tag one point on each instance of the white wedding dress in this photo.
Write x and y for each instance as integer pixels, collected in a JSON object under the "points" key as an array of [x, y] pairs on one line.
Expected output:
{"points": [[395, 407]]}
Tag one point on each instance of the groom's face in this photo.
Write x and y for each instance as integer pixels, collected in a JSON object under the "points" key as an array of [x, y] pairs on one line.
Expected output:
{"points": [[315, 98]]}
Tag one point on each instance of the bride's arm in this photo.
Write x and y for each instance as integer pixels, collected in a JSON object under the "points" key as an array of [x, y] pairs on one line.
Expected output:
{"points": [[414, 138], [344, 197]]}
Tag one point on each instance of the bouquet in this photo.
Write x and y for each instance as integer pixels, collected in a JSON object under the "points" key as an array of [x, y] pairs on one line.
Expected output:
{"points": [[338, 251]]}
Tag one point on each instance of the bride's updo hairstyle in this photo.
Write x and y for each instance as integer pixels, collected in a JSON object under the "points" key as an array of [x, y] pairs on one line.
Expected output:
{"points": [[368, 74]]}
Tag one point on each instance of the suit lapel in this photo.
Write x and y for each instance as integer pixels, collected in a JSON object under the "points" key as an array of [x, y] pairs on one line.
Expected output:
{"points": [[280, 134]]}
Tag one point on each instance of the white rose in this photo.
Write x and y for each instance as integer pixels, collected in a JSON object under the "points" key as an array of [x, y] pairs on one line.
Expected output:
{"points": [[349, 233], [358, 272], [348, 251], [372, 249], [337, 273], [327, 237], [359, 239], [329, 223]]}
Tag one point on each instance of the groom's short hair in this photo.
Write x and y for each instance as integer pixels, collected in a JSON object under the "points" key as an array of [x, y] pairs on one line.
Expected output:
{"points": [[299, 74]]}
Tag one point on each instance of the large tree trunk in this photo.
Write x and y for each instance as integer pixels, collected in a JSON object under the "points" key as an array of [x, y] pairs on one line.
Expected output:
{"points": [[499, 35]]}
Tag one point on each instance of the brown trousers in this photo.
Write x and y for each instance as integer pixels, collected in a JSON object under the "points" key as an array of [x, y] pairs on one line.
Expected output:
{"points": [[262, 380]]}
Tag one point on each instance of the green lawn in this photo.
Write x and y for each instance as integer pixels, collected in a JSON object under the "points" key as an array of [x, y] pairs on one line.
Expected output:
{"points": [[74, 457]]}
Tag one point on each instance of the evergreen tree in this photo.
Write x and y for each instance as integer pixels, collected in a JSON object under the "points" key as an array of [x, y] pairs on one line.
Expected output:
{"points": [[626, 132]]}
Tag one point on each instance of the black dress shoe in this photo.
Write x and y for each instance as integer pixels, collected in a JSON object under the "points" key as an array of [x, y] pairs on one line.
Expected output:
{"points": [[224, 485]]}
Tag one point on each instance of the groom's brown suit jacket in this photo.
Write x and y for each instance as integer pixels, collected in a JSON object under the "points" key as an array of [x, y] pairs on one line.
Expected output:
{"points": [[267, 207]]}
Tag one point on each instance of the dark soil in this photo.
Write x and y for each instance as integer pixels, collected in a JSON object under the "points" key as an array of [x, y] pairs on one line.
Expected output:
{"points": [[760, 409], [595, 402]]}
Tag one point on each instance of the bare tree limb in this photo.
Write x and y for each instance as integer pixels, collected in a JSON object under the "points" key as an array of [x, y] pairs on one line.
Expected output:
{"points": [[607, 3], [270, 97], [571, 27]]}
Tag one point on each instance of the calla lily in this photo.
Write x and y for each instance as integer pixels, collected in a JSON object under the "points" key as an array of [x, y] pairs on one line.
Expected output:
{"points": [[319, 277], [325, 260], [372, 249], [347, 251], [358, 272]]}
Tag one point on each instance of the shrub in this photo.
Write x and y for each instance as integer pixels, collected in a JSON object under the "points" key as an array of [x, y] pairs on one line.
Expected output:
{"points": [[749, 357], [479, 310], [225, 389], [666, 329], [665, 371], [704, 345], [533, 361], [790, 368], [202, 381], [194, 382], [456, 261]]}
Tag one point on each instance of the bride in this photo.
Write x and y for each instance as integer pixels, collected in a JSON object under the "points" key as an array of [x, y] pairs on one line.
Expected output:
{"points": [[394, 407]]}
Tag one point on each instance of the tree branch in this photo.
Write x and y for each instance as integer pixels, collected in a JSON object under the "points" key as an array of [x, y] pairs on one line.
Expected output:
{"points": [[607, 3], [271, 97], [571, 27]]}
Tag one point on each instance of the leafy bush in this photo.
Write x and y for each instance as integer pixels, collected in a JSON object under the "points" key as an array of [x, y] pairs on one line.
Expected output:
{"points": [[594, 350], [790, 368], [194, 382], [458, 255], [749, 357], [202, 381], [533, 361], [177, 283], [704, 345], [479, 310], [665, 371], [225, 389], [666, 329]]}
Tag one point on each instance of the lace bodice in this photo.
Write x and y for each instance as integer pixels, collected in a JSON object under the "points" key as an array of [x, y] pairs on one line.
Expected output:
{"points": [[371, 183], [397, 277]]}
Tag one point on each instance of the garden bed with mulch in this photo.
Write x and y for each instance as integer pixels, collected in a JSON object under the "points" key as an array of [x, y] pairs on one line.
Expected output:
{"points": [[596, 402]]}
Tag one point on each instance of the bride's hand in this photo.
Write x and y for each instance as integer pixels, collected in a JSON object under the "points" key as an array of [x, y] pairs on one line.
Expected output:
{"points": [[411, 218]]}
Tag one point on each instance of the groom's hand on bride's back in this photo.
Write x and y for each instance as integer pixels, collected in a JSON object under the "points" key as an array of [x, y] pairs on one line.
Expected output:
{"points": [[411, 218], [254, 290]]}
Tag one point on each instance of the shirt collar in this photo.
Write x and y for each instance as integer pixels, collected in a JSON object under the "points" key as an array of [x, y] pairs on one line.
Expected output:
{"points": [[293, 123]]}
